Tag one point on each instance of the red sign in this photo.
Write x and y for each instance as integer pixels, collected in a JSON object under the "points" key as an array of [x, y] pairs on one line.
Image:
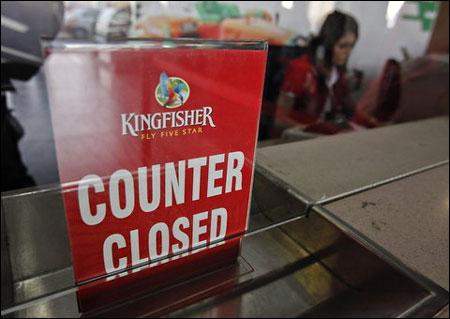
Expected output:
{"points": [[155, 151]]}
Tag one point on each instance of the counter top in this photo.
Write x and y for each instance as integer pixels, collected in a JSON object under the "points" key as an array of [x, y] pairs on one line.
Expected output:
{"points": [[328, 167], [389, 184], [408, 218]]}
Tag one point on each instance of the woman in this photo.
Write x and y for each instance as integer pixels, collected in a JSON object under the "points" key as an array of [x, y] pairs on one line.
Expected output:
{"points": [[314, 86]]}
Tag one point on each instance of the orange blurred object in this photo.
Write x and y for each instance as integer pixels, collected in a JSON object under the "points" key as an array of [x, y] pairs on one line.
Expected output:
{"points": [[253, 28], [165, 26]]}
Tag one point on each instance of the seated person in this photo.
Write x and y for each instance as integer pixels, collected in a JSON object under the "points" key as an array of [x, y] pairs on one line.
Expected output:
{"points": [[315, 90]]}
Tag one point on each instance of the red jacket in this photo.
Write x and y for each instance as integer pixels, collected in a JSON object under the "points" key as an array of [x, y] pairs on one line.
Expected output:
{"points": [[302, 80]]}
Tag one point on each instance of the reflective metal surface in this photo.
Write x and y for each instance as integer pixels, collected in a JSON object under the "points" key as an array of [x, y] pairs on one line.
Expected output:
{"points": [[149, 43], [298, 258], [306, 267], [336, 277], [36, 234]]}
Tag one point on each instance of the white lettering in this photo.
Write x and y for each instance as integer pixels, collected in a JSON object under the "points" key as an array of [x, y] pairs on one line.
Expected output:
{"points": [[215, 215], [234, 171], [135, 254], [196, 164], [214, 174], [143, 193], [223, 173], [127, 178], [108, 253], [179, 235], [133, 123], [198, 230], [87, 216], [153, 242], [126, 125], [175, 185]]}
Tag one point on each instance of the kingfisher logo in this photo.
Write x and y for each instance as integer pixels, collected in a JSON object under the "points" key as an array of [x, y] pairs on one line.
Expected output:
{"points": [[171, 92]]}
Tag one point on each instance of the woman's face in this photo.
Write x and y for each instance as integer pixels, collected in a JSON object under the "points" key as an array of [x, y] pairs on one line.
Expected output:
{"points": [[343, 48]]}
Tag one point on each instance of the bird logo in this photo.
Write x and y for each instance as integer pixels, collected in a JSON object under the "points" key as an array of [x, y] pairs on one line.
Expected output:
{"points": [[171, 92]]}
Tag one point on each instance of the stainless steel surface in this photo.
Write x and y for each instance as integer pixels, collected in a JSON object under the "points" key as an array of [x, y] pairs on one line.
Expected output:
{"points": [[322, 265], [36, 234], [325, 168], [41, 285], [408, 218], [7, 281], [62, 307], [307, 267], [40, 253], [330, 275], [157, 43], [274, 203]]}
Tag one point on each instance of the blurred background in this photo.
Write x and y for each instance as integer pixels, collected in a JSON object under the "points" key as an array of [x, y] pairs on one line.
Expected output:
{"points": [[395, 68]]}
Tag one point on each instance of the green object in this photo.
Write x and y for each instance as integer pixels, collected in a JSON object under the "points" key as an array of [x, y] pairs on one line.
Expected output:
{"points": [[213, 11], [166, 31], [427, 13], [230, 11]]}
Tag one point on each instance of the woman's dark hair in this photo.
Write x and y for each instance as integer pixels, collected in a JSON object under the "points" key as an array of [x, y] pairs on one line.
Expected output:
{"points": [[336, 25]]}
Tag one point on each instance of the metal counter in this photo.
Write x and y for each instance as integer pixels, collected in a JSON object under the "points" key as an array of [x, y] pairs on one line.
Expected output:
{"points": [[311, 249]]}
